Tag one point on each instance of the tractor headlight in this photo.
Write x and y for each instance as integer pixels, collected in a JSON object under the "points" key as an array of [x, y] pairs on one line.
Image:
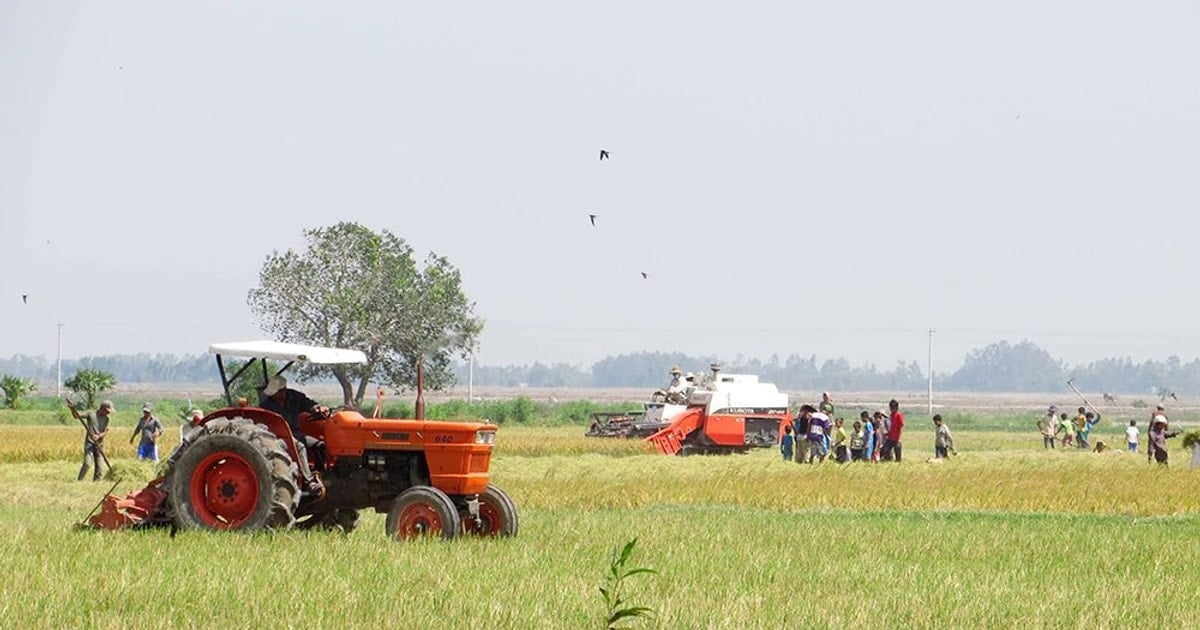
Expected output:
{"points": [[485, 437]]}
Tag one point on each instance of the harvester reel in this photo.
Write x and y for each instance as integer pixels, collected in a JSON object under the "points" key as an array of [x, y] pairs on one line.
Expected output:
{"points": [[232, 474]]}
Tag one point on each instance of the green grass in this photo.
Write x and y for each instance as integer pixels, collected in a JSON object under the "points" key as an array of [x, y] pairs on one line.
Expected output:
{"points": [[1004, 535]]}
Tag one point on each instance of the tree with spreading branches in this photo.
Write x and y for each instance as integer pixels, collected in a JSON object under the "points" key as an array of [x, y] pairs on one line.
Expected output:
{"points": [[352, 287]]}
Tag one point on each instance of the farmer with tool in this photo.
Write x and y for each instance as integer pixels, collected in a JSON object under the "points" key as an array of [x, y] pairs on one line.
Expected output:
{"points": [[96, 425], [289, 403], [151, 429]]}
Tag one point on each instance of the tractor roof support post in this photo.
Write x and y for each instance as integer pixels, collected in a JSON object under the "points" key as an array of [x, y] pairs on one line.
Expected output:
{"points": [[224, 381], [419, 407]]}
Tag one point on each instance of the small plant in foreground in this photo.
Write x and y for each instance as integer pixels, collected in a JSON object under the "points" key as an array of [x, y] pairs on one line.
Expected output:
{"points": [[618, 572], [1191, 438]]}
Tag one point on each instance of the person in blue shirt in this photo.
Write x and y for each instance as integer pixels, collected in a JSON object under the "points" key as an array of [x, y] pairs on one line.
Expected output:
{"points": [[868, 428], [787, 442]]}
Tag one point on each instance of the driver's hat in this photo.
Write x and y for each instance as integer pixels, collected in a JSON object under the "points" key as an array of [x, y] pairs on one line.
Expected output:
{"points": [[676, 370], [276, 383]]}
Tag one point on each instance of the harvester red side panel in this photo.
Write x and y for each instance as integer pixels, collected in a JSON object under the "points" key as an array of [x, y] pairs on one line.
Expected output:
{"points": [[669, 440], [726, 430]]}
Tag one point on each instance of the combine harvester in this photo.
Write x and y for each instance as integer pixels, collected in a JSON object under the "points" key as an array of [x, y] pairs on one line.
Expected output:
{"points": [[732, 414]]}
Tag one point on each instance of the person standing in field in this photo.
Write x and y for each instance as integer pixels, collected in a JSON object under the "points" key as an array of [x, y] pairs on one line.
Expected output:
{"points": [[943, 442], [1048, 427], [858, 442], [787, 442], [800, 426], [1158, 439], [1090, 420], [892, 448], [150, 429], [818, 428], [93, 443], [1068, 431], [1132, 434], [1079, 426], [841, 441], [881, 423], [1159, 412], [826, 406], [868, 429]]}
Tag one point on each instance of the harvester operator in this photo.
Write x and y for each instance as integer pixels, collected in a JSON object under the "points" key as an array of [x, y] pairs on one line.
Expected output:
{"points": [[289, 403], [677, 388]]}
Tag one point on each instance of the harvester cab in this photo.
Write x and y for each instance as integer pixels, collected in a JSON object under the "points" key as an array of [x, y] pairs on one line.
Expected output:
{"points": [[238, 467]]}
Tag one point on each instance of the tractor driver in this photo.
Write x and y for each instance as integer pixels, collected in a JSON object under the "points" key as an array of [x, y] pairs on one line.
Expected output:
{"points": [[289, 403]]}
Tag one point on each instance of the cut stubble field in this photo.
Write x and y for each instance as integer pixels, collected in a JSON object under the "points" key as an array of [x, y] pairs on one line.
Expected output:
{"points": [[1006, 534]]}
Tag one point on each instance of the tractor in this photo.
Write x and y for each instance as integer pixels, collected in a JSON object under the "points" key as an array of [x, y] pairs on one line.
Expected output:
{"points": [[236, 468]]}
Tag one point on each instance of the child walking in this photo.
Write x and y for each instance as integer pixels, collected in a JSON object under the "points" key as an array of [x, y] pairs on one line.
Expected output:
{"points": [[787, 443], [1131, 436]]}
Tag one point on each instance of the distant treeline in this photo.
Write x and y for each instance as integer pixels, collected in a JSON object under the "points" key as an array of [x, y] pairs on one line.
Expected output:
{"points": [[999, 367]]}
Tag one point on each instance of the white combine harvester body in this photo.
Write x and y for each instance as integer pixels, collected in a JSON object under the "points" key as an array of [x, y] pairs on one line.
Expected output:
{"points": [[741, 393]]}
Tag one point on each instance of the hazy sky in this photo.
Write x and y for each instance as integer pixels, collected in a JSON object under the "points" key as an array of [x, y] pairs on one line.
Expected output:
{"points": [[827, 178]]}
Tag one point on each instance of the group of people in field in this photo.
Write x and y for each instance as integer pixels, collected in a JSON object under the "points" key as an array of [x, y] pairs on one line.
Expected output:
{"points": [[96, 426], [817, 433], [1076, 432]]}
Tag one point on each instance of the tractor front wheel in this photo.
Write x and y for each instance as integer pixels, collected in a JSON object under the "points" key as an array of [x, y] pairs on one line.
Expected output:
{"points": [[232, 474], [422, 511], [497, 515]]}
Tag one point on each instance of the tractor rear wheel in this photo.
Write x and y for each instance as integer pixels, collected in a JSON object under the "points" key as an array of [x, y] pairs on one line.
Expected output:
{"points": [[497, 515], [232, 474], [422, 511]]}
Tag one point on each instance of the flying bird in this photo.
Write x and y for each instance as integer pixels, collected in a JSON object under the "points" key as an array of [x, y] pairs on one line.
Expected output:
{"points": [[1173, 396], [592, 218], [645, 276], [24, 298], [603, 153], [120, 67]]}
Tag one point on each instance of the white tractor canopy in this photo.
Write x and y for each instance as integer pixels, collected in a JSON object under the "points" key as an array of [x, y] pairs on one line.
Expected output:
{"points": [[292, 352], [259, 351]]}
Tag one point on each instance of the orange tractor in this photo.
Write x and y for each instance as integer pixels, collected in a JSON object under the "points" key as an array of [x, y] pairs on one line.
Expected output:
{"points": [[236, 468]]}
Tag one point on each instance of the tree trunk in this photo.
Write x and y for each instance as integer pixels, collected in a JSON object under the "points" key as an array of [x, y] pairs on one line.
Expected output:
{"points": [[347, 387]]}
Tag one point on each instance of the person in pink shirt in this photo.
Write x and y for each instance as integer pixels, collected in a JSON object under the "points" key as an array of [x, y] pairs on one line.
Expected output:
{"points": [[895, 427]]}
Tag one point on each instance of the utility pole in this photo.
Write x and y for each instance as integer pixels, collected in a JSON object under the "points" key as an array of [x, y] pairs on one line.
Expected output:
{"points": [[929, 367], [58, 381]]}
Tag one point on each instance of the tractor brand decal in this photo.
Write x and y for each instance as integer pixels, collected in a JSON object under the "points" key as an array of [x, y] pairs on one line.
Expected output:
{"points": [[443, 439], [755, 411], [403, 437]]}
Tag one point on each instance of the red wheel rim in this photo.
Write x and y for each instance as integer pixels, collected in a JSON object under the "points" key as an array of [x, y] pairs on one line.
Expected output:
{"points": [[224, 490], [418, 519], [489, 521]]}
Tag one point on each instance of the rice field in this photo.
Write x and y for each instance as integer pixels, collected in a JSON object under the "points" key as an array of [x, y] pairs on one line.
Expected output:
{"points": [[1004, 535]]}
